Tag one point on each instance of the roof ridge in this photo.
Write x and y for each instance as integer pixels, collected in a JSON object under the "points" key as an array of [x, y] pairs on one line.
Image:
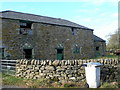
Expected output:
{"points": [[30, 14], [98, 38], [40, 18]]}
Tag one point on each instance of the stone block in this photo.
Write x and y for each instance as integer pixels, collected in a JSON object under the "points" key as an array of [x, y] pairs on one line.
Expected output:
{"points": [[55, 63], [44, 62], [58, 67], [69, 76], [56, 75], [60, 70], [42, 74], [47, 77], [80, 62], [64, 67], [61, 78], [69, 68], [63, 63], [36, 73], [50, 62], [32, 62], [68, 62], [18, 70], [67, 71], [46, 71], [66, 78], [72, 62], [42, 68], [50, 75], [76, 62], [51, 68], [72, 78]]}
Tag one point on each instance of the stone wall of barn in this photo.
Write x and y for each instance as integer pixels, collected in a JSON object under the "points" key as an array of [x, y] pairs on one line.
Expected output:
{"points": [[49, 37], [10, 38], [45, 39], [102, 48], [64, 70], [12, 41]]}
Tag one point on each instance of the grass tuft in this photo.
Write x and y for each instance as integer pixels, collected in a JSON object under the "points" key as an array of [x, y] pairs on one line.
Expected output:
{"points": [[110, 85]]}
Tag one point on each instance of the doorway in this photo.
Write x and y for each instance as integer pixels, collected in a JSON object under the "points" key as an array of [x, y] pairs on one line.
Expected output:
{"points": [[27, 53], [60, 55], [97, 51]]}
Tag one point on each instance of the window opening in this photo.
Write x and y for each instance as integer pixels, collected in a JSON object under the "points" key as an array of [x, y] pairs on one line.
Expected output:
{"points": [[76, 49], [97, 48], [2, 53], [25, 28], [60, 55], [74, 32], [27, 53]]}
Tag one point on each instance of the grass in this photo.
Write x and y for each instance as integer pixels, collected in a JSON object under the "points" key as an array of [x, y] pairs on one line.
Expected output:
{"points": [[11, 80], [110, 85], [38, 83], [26, 83], [107, 56], [47, 83]]}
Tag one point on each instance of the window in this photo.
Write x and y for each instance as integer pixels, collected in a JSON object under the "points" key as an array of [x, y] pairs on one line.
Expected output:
{"points": [[27, 53], [97, 48], [25, 28], [60, 55], [25, 25], [74, 31], [26, 31], [76, 49], [2, 53]]}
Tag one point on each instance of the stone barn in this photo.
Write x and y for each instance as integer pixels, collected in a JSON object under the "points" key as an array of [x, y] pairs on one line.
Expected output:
{"points": [[32, 36]]}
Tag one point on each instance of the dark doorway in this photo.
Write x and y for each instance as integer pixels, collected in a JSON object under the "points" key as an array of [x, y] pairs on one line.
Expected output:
{"points": [[97, 48], [60, 55], [97, 52], [27, 53]]}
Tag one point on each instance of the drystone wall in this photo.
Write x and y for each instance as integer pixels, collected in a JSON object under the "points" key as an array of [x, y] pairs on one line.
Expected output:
{"points": [[64, 69]]}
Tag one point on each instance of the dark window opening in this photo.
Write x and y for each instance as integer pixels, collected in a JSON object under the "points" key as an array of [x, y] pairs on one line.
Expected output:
{"points": [[25, 28], [2, 53], [97, 48], [60, 55], [27, 53], [25, 25], [74, 32], [59, 50]]}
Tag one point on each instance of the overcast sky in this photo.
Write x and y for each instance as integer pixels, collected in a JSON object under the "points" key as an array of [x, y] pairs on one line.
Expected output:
{"points": [[100, 15]]}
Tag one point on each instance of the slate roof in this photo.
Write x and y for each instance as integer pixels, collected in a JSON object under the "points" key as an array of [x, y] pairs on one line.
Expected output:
{"points": [[96, 38], [39, 18]]}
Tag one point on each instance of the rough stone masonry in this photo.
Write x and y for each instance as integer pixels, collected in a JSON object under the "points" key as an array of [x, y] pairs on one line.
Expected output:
{"points": [[64, 69]]}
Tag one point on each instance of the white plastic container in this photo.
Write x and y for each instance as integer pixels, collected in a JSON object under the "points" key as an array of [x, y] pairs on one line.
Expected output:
{"points": [[92, 71]]}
